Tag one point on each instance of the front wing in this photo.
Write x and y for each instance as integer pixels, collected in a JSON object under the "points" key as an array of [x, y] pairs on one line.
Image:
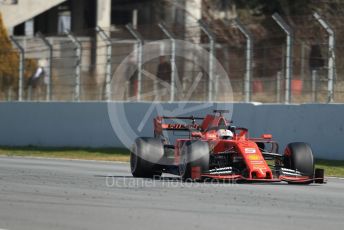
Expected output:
{"points": [[226, 174], [233, 177]]}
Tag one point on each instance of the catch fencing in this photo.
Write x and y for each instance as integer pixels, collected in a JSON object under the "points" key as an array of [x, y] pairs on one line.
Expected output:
{"points": [[271, 63]]}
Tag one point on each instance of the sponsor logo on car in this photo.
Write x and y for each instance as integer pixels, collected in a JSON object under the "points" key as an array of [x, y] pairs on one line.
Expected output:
{"points": [[250, 150], [254, 157]]}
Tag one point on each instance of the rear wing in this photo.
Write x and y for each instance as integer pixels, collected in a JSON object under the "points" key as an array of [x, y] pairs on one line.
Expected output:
{"points": [[160, 126]]}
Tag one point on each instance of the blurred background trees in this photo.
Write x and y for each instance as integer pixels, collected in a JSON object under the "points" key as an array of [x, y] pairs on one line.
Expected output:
{"points": [[9, 64]]}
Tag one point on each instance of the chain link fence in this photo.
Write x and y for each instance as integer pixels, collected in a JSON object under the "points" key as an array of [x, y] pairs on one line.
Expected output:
{"points": [[255, 57]]}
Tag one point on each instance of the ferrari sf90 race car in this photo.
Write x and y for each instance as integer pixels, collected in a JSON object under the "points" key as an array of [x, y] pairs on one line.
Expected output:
{"points": [[211, 147]]}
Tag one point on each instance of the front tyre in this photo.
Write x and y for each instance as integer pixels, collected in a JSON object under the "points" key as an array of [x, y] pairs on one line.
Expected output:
{"points": [[298, 156]]}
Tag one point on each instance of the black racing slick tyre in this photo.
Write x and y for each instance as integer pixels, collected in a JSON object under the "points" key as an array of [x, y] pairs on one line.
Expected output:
{"points": [[145, 155], [298, 156], [193, 154]]}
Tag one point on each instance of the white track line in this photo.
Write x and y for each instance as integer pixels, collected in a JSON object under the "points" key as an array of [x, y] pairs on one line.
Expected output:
{"points": [[332, 177]]}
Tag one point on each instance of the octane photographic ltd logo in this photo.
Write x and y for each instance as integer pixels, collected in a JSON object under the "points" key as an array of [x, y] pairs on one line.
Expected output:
{"points": [[192, 78]]}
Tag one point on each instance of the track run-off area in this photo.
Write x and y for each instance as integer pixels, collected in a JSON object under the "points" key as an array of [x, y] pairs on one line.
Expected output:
{"points": [[72, 194]]}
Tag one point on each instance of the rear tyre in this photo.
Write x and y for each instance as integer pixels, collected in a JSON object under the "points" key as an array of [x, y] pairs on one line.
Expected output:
{"points": [[298, 156], [194, 155], [145, 156]]}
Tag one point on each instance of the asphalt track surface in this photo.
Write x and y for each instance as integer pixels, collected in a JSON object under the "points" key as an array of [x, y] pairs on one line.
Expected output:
{"points": [[64, 194]]}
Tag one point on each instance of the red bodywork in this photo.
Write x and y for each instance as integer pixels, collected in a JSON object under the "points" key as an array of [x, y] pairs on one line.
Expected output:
{"points": [[239, 147]]}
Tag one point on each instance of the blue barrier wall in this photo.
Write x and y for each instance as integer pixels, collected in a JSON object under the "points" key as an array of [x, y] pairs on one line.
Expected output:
{"points": [[87, 124]]}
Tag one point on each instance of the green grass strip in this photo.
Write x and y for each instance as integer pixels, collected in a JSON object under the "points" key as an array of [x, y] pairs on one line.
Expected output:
{"points": [[104, 154]]}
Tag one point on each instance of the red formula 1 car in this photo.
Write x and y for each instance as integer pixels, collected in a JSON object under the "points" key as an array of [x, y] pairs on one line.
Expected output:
{"points": [[215, 149]]}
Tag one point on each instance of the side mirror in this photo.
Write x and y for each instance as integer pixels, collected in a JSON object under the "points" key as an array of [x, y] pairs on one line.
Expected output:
{"points": [[267, 136], [232, 128]]}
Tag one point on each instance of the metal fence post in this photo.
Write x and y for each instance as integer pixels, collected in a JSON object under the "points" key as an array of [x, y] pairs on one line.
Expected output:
{"points": [[216, 87], [49, 73], [78, 48], [173, 59], [212, 53], [248, 74], [314, 86], [289, 55], [302, 71], [21, 67], [332, 56], [107, 39], [278, 86], [139, 50]]}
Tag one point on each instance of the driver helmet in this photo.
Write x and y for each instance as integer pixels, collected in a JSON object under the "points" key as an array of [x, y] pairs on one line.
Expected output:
{"points": [[225, 134]]}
